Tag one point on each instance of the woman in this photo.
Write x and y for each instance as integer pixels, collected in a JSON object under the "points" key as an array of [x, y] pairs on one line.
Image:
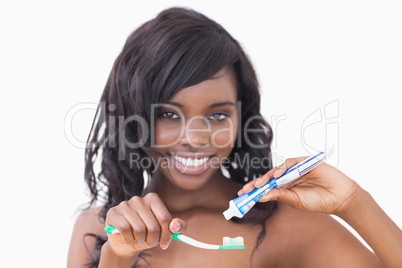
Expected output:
{"points": [[182, 105]]}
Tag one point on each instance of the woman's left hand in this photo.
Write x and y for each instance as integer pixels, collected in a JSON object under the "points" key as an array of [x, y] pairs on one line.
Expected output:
{"points": [[323, 189]]}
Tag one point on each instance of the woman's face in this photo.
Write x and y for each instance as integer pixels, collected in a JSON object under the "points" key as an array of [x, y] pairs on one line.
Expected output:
{"points": [[196, 130]]}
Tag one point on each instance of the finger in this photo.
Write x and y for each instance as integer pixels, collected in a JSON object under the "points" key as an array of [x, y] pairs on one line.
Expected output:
{"points": [[283, 195], [138, 228], [258, 182], [118, 221], [152, 227], [164, 218], [177, 226], [266, 177], [275, 172], [249, 187], [290, 162], [240, 192], [297, 181]]}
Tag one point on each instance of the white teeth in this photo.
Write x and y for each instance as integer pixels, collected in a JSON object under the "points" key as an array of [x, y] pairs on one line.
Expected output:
{"points": [[191, 162]]}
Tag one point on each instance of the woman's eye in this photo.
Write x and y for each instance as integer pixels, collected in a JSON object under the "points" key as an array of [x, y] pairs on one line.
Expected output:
{"points": [[170, 115], [219, 116], [215, 117]]}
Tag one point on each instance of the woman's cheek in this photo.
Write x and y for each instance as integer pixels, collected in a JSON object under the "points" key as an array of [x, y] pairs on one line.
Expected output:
{"points": [[225, 136], [166, 135]]}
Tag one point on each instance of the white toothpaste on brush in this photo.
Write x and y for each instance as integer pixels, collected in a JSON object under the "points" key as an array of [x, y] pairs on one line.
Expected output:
{"points": [[239, 206]]}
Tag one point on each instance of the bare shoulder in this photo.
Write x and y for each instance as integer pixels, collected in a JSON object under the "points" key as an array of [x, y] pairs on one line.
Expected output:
{"points": [[304, 238], [83, 240], [89, 222]]}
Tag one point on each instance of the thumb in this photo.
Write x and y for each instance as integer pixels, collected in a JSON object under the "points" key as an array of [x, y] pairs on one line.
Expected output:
{"points": [[177, 226], [283, 195]]}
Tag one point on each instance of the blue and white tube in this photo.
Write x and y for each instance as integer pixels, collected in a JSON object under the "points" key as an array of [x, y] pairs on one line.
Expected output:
{"points": [[239, 206]]}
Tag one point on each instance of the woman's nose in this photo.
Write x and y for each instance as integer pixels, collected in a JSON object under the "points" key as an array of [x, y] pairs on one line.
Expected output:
{"points": [[196, 133]]}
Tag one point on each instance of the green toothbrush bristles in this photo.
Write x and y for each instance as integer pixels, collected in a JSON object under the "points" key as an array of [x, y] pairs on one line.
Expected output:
{"points": [[232, 243], [232, 247]]}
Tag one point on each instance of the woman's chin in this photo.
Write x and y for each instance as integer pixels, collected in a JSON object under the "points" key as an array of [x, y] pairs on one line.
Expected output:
{"points": [[189, 182]]}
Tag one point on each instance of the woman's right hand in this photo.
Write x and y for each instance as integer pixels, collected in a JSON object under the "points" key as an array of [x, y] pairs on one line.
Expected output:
{"points": [[143, 223]]}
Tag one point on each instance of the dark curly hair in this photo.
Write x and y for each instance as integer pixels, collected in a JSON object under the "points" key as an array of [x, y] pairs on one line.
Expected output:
{"points": [[177, 49]]}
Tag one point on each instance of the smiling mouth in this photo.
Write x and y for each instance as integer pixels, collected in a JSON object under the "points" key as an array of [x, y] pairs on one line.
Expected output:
{"points": [[191, 165], [191, 162]]}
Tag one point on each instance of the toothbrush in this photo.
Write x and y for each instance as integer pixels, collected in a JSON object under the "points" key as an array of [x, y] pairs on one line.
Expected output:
{"points": [[228, 243]]}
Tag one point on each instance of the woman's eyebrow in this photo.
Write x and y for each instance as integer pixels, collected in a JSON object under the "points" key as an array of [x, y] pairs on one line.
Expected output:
{"points": [[210, 106], [221, 104]]}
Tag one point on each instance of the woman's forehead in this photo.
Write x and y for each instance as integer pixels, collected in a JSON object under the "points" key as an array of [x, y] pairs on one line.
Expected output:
{"points": [[222, 87]]}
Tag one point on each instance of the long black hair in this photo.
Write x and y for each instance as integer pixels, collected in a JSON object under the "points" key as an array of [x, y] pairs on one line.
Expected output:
{"points": [[177, 49]]}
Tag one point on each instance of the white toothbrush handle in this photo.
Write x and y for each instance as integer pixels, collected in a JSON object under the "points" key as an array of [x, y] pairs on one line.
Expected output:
{"points": [[196, 243]]}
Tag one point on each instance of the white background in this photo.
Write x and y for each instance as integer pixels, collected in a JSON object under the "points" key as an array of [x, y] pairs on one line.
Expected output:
{"points": [[345, 55]]}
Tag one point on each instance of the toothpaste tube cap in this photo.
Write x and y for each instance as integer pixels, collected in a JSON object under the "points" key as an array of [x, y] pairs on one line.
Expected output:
{"points": [[228, 214], [232, 211]]}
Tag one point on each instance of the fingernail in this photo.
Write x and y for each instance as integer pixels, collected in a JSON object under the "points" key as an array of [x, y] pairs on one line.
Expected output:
{"points": [[165, 246], [241, 192], [276, 172], [176, 226]]}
